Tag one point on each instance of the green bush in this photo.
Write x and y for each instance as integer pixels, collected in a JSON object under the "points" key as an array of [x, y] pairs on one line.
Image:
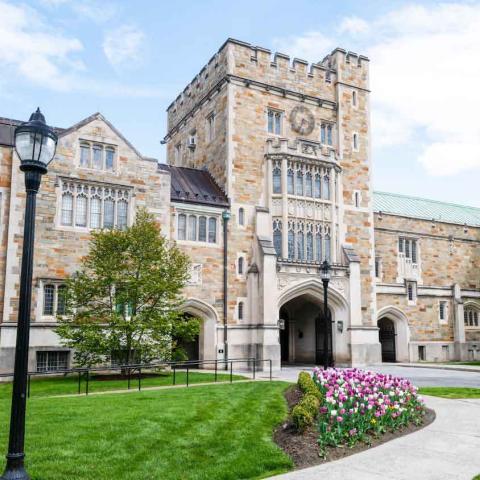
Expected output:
{"points": [[307, 385], [310, 403], [301, 418]]}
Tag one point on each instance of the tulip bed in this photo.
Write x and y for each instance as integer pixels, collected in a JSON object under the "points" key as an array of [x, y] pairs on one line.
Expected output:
{"points": [[357, 404]]}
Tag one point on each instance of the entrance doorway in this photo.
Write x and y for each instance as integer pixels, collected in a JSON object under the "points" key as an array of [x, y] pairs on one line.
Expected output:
{"points": [[387, 339], [190, 350], [302, 339]]}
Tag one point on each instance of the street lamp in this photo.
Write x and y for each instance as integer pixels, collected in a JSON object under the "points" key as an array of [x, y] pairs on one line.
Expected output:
{"points": [[325, 275], [35, 144], [226, 218]]}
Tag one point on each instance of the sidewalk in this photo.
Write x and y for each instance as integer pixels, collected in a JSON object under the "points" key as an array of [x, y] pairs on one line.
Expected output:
{"points": [[448, 449], [438, 366]]}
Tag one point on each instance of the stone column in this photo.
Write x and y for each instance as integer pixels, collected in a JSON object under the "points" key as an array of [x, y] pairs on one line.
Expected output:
{"points": [[284, 208], [459, 343]]}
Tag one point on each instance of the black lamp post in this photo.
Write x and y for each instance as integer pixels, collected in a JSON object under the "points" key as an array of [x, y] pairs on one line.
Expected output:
{"points": [[325, 274], [35, 144], [226, 218]]}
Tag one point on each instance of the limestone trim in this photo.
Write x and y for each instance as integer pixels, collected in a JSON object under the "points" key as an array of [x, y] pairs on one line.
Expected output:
{"points": [[410, 233], [402, 330], [314, 288]]}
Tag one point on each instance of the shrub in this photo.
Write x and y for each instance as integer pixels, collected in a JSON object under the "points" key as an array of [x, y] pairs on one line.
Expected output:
{"points": [[307, 385], [310, 403], [301, 418]]}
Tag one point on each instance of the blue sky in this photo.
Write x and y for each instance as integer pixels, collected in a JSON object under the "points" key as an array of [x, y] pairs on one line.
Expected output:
{"points": [[129, 59]]}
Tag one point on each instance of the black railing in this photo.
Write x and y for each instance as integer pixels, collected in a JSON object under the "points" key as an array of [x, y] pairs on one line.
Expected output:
{"points": [[130, 369]]}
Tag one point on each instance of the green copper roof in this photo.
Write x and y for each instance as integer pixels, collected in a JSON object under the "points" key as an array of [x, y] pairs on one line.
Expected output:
{"points": [[414, 207]]}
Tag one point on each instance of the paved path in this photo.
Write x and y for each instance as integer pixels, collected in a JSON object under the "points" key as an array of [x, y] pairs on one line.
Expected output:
{"points": [[422, 377], [448, 449]]}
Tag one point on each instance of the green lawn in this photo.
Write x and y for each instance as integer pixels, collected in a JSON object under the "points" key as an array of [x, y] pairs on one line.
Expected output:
{"points": [[47, 386], [212, 432], [451, 392]]}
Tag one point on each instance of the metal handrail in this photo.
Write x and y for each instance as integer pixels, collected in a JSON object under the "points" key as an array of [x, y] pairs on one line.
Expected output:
{"points": [[129, 368]]}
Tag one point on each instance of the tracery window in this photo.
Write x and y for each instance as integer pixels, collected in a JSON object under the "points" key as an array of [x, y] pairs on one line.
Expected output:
{"points": [[470, 316], [277, 237], [299, 183], [277, 180], [93, 206], [326, 187], [290, 186], [308, 185]]}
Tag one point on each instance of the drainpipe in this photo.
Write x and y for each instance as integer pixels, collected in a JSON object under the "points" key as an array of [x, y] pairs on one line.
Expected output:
{"points": [[226, 218]]}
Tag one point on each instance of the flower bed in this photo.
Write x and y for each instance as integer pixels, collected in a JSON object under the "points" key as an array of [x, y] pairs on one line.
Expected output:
{"points": [[357, 404]]}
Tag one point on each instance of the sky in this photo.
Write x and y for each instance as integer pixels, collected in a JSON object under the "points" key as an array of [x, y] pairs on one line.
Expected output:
{"points": [[130, 59]]}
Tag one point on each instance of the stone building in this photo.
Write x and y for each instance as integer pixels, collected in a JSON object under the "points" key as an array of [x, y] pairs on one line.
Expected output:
{"points": [[284, 148]]}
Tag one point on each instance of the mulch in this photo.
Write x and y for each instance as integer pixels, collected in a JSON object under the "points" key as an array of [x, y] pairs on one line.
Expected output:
{"points": [[303, 449]]}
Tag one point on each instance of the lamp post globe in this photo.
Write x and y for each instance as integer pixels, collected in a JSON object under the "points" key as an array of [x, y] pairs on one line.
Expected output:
{"points": [[35, 144], [325, 268]]}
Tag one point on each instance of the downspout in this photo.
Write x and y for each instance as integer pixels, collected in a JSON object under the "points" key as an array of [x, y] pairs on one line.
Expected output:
{"points": [[226, 218]]}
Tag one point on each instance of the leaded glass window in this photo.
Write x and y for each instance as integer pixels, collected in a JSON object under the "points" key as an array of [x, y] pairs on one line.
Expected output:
{"points": [[277, 180]]}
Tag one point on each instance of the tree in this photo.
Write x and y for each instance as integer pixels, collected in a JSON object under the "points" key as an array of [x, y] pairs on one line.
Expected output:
{"points": [[123, 303]]}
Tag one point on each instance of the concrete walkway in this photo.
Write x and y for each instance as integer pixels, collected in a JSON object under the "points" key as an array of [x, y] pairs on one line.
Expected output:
{"points": [[448, 449]]}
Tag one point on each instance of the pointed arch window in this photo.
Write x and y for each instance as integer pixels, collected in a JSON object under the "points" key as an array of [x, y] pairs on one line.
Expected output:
{"points": [[318, 247], [291, 244], [277, 237], [326, 187], [470, 316], [318, 186], [290, 180], [81, 211], [277, 180], [328, 248], [67, 208], [300, 237], [309, 247], [308, 185], [299, 183]]}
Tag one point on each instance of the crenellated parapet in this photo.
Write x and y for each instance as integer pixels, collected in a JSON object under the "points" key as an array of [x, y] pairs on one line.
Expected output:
{"points": [[244, 62]]}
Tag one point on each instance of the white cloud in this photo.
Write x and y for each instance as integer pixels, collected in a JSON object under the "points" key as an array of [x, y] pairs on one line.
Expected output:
{"points": [[124, 46], [446, 158], [424, 79], [353, 26], [312, 46], [92, 10], [33, 51]]}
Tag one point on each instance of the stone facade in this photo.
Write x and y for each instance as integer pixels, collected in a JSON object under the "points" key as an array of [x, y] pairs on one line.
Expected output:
{"points": [[287, 149]]}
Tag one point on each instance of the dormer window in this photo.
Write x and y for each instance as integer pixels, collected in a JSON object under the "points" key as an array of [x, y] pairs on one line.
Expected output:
{"points": [[97, 156]]}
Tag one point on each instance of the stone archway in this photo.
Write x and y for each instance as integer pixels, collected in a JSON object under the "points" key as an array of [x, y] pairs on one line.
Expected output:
{"points": [[301, 308], [207, 342], [401, 337]]}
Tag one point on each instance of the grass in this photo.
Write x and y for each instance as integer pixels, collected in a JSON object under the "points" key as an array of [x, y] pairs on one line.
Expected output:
{"points": [[65, 385], [451, 392], [220, 432]]}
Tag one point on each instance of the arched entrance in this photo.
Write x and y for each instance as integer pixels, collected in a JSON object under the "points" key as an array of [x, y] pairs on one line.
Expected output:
{"points": [[190, 348], [397, 345], [387, 339], [302, 339], [205, 346]]}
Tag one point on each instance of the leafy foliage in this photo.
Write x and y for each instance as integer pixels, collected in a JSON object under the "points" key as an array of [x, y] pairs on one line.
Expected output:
{"points": [[124, 302]]}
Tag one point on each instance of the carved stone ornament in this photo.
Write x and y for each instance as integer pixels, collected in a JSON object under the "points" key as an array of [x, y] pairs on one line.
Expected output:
{"points": [[302, 120]]}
